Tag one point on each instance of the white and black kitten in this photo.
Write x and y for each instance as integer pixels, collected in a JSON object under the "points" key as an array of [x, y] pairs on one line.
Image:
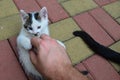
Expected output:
{"points": [[33, 25]]}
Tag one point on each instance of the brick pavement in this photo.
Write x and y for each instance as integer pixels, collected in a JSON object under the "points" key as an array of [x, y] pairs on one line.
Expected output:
{"points": [[99, 18]]}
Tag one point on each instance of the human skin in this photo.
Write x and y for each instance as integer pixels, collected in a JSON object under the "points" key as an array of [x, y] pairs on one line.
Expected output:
{"points": [[52, 61]]}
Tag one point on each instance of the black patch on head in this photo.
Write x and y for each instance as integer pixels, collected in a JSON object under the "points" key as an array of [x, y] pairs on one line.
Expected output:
{"points": [[37, 17], [28, 21]]}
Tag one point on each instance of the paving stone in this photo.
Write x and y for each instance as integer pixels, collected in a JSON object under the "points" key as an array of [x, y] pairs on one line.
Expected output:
{"points": [[99, 67], [9, 66], [116, 66], [61, 1], [118, 20], [27, 5], [74, 7], [81, 67], [55, 11], [88, 24], [103, 2], [7, 8], [9, 26], [116, 47], [13, 43], [63, 30], [106, 22], [77, 50], [113, 9]]}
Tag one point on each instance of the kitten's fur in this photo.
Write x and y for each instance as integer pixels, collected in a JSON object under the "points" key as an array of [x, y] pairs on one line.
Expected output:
{"points": [[98, 48], [33, 25]]}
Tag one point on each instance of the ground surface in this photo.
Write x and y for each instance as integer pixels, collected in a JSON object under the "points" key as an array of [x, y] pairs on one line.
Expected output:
{"points": [[99, 18]]}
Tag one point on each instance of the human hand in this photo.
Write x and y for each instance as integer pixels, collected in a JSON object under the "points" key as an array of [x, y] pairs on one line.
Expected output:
{"points": [[51, 57]]}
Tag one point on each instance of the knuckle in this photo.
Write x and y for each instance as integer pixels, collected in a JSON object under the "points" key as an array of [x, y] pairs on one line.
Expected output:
{"points": [[53, 40]]}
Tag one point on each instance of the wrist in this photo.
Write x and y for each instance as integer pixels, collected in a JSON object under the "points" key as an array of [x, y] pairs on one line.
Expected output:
{"points": [[60, 73]]}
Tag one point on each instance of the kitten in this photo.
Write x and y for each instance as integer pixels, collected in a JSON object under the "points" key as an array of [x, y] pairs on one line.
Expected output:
{"points": [[99, 49], [33, 25]]}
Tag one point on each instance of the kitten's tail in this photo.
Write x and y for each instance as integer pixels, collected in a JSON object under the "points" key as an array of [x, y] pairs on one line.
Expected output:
{"points": [[98, 48]]}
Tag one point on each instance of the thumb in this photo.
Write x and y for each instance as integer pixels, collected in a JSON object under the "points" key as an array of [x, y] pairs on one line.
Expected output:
{"points": [[33, 57], [35, 42]]}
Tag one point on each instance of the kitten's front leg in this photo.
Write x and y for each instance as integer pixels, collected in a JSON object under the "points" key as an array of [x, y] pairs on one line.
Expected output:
{"points": [[24, 42], [27, 44]]}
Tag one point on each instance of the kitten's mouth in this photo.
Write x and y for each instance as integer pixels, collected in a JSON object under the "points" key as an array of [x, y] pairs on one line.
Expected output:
{"points": [[36, 34]]}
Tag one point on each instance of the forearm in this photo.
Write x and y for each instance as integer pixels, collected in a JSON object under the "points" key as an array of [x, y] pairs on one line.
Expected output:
{"points": [[68, 73]]}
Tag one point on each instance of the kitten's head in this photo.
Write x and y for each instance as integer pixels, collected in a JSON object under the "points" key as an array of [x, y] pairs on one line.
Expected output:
{"points": [[34, 22]]}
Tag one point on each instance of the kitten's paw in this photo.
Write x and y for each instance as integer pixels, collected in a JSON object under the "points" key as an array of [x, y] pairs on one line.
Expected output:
{"points": [[62, 44], [27, 45]]}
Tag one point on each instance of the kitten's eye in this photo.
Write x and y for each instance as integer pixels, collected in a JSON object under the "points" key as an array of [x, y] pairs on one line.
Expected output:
{"points": [[39, 27], [30, 28]]}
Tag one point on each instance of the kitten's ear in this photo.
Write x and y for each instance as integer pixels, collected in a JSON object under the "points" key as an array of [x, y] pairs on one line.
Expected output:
{"points": [[24, 15], [43, 13]]}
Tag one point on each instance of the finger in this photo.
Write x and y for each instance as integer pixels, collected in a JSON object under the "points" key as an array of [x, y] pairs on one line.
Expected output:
{"points": [[45, 37], [33, 57], [35, 42]]}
